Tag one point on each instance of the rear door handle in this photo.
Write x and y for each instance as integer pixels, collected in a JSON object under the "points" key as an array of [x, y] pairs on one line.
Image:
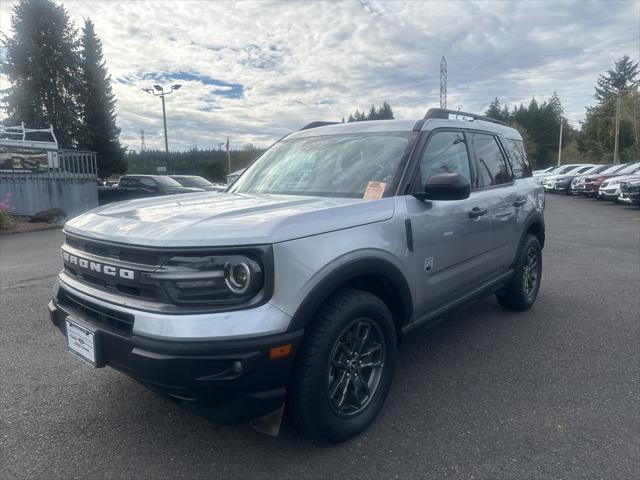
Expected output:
{"points": [[476, 212], [520, 201]]}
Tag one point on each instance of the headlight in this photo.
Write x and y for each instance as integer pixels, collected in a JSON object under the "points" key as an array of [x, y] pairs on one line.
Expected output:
{"points": [[209, 280]]}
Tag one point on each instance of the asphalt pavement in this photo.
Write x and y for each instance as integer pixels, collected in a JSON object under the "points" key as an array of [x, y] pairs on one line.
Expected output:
{"points": [[489, 394]]}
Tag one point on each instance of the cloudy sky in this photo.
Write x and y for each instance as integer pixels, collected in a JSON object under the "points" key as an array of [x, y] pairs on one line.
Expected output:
{"points": [[257, 70]]}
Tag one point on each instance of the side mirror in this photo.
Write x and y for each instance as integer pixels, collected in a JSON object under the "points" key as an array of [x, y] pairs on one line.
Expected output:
{"points": [[446, 186]]}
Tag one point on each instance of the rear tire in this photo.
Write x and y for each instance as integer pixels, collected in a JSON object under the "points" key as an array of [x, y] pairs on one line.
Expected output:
{"points": [[522, 291], [344, 367]]}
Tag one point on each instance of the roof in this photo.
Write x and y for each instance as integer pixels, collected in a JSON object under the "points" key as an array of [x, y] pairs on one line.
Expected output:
{"points": [[371, 126]]}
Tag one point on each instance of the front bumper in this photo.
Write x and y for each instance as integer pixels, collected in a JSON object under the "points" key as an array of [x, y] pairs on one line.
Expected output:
{"points": [[609, 193], [229, 381]]}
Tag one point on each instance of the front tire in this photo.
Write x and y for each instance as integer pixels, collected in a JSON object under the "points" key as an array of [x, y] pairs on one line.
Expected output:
{"points": [[522, 291], [344, 367]]}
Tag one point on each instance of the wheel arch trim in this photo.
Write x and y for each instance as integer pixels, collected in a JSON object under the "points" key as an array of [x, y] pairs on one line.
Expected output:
{"points": [[346, 272]]}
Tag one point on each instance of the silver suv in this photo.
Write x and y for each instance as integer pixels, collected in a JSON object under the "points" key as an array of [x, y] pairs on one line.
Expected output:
{"points": [[299, 282]]}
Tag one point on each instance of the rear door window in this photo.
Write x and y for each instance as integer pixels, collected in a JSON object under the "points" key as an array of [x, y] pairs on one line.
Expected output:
{"points": [[518, 156], [490, 165]]}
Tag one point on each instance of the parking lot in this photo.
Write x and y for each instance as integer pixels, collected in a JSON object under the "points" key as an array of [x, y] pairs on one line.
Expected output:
{"points": [[549, 393]]}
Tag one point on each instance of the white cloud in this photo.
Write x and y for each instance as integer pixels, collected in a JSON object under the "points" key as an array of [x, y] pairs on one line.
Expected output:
{"points": [[298, 62]]}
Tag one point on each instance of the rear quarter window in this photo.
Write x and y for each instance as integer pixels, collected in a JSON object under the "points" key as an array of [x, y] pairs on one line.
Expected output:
{"points": [[518, 158]]}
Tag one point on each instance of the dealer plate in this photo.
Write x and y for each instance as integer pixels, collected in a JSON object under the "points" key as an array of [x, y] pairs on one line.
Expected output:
{"points": [[81, 342]]}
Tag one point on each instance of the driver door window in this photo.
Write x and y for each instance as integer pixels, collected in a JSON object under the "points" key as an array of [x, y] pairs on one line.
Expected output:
{"points": [[446, 152]]}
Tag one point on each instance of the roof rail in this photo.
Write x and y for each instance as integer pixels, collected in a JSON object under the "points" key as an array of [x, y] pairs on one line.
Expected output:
{"points": [[317, 124], [444, 114]]}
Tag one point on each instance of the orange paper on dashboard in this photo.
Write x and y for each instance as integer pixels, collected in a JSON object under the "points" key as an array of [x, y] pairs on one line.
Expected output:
{"points": [[374, 190]]}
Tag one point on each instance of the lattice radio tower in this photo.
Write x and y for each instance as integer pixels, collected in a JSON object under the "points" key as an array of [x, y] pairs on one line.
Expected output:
{"points": [[142, 145], [443, 83]]}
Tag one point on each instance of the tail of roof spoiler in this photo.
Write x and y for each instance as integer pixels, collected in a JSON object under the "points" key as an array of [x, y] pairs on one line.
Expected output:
{"points": [[442, 113]]}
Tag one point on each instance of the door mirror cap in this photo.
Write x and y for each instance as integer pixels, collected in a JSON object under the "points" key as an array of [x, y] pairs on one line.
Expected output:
{"points": [[445, 186]]}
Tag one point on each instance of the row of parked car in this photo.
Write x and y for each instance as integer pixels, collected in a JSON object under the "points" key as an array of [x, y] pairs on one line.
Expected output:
{"points": [[618, 183], [138, 186]]}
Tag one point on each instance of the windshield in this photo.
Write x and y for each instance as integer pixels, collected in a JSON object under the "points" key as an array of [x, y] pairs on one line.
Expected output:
{"points": [[332, 165], [194, 181], [166, 182], [599, 169], [615, 168], [569, 168], [630, 169]]}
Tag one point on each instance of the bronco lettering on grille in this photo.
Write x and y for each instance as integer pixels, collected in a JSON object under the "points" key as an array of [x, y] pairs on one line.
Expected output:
{"points": [[100, 268]]}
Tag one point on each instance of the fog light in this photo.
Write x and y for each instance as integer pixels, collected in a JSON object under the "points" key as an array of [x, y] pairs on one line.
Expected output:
{"points": [[236, 366]]}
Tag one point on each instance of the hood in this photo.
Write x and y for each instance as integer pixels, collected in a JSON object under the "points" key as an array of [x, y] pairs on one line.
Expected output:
{"points": [[622, 178], [225, 219]]}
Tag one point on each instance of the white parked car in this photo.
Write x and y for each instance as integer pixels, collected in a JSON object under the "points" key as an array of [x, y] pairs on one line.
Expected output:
{"points": [[545, 170], [562, 182], [559, 171], [610, 188]]}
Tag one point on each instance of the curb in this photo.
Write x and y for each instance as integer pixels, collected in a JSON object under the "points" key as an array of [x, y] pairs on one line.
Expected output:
{"points": [[35, 229]]}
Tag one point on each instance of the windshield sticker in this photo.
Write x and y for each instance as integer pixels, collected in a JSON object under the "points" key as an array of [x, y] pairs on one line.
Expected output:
{"points": [[374, 190]]}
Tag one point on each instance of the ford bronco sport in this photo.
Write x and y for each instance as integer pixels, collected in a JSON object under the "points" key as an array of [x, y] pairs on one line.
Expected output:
{"points": [[297, 284]]}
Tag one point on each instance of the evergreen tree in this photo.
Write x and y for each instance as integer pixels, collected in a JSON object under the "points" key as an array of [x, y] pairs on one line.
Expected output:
{"points": [[505, 115], [42, 65], [494, 110], [623, 76], [99, 132], [385, 112], [596, 140], [373, 113]]}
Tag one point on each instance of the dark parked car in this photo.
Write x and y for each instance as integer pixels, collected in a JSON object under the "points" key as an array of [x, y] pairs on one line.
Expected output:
{"points": [[156, 184], [138, 186], [630, 191], [199, 182]]}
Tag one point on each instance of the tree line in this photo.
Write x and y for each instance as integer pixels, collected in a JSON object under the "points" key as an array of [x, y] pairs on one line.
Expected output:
{"points": [[210, 164], [58, 77], [384, 112], [593, 142]]}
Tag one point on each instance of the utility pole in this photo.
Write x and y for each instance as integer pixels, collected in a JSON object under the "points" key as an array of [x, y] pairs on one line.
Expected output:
{"points": [[560, 144], [616, 145], [228, 148], [161, 93], [443, 83]]}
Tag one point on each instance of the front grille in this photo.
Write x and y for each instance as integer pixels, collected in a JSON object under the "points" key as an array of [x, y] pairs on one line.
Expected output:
{"points": [[120, 321], [147, 292], [140, 259], [117, 252]]}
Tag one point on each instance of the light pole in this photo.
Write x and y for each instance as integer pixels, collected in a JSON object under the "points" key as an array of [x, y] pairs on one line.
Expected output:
{"points": [[161, 94]]}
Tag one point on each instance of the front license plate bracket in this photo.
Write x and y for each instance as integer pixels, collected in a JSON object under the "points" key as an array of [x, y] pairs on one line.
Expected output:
{"points": [[83, 342]]}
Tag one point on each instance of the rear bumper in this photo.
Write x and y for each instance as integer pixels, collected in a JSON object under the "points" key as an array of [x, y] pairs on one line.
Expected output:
{"points": [[228, 381]]}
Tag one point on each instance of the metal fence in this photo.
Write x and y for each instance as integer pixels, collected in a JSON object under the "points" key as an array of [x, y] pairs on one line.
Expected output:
{"points": [[69, 183]]}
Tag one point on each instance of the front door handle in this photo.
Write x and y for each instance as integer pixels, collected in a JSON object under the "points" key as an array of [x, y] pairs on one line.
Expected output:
{"points": [[476, 212], [520, 201]]}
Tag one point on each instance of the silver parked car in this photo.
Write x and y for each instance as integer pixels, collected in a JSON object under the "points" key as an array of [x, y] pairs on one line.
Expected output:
{"points": [[300, 281]]}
